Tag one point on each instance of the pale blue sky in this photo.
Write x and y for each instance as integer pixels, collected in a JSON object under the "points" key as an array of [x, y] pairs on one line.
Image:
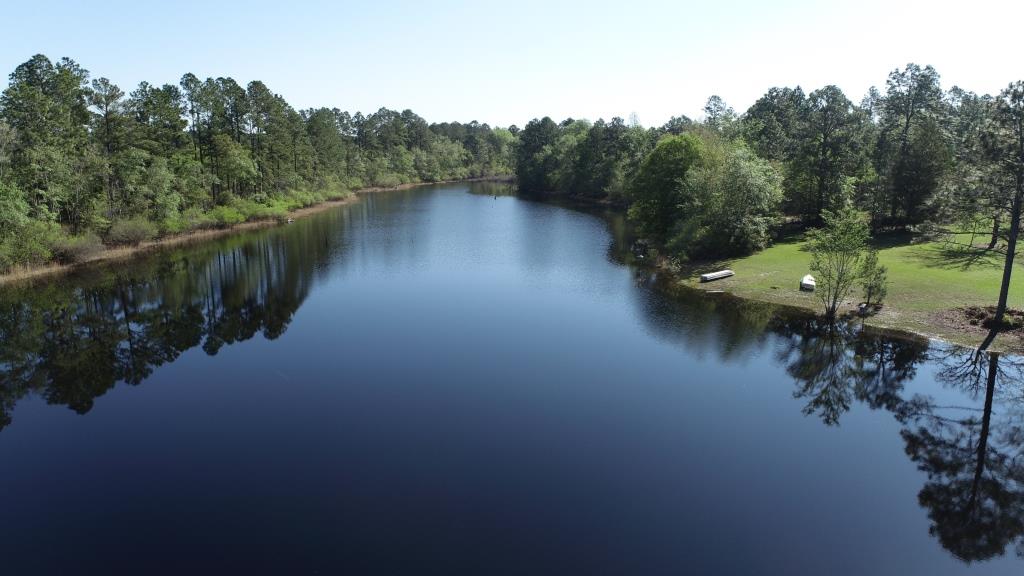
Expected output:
{"points": [[507, 62]]}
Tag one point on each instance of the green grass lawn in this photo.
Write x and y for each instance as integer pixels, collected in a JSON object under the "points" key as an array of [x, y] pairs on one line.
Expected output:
{"points": [[926, 279]]}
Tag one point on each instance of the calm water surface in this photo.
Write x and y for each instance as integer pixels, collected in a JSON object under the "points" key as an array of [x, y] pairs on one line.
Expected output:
{"points": [[453, 380]]}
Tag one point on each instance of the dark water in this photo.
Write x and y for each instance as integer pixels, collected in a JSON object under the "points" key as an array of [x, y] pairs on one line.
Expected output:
{"points": [[443, 382]]}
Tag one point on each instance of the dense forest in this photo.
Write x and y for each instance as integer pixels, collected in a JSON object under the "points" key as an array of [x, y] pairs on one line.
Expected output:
{"points": [[909, 156], [83, 164]]}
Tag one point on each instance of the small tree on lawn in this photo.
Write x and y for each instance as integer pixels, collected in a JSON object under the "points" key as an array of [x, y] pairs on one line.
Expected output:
{"points": [[837, 255], [874, 279]]}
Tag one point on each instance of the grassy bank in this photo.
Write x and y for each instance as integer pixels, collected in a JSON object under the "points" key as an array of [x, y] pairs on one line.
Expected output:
{"points": [[930, 283]]}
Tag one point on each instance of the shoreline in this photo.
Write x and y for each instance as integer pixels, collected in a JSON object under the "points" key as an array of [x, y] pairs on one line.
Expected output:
{"points": [[115, 254], [889, 321], [936, 327]]}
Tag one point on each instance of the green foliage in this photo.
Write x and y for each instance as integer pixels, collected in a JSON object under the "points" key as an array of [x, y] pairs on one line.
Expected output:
{"points": [[74, 249], [188, 220], [657, 192], [226, 216], [131, 232], [236, 169], [387, 180], [732, 200], [23, 240], [601, 163], [443, 159], [14, 210], [720, 117], [534, 163], [773, 124], [582, 159], [251, 210], [31, 246], [837, 255], [563, 154], [913, 153], [874, 279], [831, 156]]}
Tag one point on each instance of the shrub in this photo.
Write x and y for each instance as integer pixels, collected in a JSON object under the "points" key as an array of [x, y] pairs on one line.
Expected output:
{"points": [[172, 225], [34, 242], [334, 193], [13, 208], [874, 279], [74, 249], [29, 244], [196, 219], [283, 205], [226, 216], [131, 232], [301, 198], [6, 257], [388, 180], [252, 210]]}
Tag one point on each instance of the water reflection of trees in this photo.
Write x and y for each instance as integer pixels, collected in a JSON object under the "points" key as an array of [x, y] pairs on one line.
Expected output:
{"points": [[971, 450], [833, 365], [73, 340], [973, 457]]}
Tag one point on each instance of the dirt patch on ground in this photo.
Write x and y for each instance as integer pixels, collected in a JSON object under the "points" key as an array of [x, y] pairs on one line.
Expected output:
{"points": [[979, 321], [1013, 320]]}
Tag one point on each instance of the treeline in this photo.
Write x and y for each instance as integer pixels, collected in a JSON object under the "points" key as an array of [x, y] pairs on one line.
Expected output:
{"points": [[910, 156], [82, 163]]}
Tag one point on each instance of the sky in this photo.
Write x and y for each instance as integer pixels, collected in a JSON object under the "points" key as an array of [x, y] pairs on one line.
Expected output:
{"points": [[508, 62]]}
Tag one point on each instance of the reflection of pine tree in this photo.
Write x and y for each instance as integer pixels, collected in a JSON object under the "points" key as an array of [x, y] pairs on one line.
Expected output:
{"points": [[974, 462], [974, 458]]}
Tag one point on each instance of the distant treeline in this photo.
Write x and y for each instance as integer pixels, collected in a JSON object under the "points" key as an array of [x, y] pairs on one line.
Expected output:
{"points": [[909, 156], [82, 163]]}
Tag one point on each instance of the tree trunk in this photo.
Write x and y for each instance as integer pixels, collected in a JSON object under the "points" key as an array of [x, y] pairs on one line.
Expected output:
{"points": [[1011, 243], [995, 232], [1011, 252]]}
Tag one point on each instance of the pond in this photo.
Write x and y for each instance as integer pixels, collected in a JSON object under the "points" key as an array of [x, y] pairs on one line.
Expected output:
{"points": [[453, 379]]}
